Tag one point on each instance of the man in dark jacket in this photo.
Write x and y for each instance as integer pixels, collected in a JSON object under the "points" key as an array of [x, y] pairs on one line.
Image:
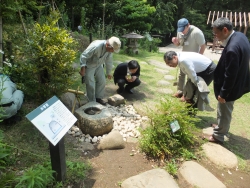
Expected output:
{"points": [[127, 73], [231, 76]]}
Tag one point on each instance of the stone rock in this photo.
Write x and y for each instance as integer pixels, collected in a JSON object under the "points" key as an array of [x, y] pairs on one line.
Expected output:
{"points": [[153, 178], [163, 83], [220, 155], [97, 124], [194, 175], [162, 71], [113, 140], [169, 77], [68, 100], [116, 100], [86, 146]]}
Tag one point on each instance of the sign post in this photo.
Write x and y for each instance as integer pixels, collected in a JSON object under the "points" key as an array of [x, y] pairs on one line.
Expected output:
{"points": [[58, 162], [53, 120]]}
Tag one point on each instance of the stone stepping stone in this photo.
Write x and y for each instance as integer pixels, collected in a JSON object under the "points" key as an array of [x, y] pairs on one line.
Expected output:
{"points": [[162, 71], [159, 64], [195, 175], [143, 63], [153, 178], [169, 77], [166, 91], [117, 62], [163, 83], [220, 155]]}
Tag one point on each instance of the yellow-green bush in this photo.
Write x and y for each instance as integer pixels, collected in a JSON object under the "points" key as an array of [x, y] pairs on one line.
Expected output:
{"points": [[46, 67]]}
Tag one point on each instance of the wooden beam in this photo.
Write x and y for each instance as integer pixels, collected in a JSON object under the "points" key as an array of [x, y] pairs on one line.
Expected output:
{"points": [[248, 18], [245, 23], [218, 14], [213, 18], [208, 17], [240, 22], [235, 19]]}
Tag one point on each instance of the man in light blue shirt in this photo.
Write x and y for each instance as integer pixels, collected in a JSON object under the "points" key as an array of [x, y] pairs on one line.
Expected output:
{"points": [[98, 53]]}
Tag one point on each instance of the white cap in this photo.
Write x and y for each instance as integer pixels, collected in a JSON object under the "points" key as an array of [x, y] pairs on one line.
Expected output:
{"points": [[115, 43]]}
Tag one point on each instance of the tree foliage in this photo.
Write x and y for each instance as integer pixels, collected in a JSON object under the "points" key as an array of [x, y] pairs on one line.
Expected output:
{"points": [[133, 15], [46, 68]]}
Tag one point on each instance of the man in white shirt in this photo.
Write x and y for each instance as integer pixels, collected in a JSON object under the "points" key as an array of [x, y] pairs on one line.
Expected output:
{"points": [[192, 39], [191, 64]]}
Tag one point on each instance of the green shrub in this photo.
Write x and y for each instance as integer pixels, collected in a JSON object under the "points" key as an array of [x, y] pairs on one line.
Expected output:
{"points": [[172, 167], [36, 177], [4, 152], [150, 45], [157, 140], [76, 171], [7, 180], [46, 67]]}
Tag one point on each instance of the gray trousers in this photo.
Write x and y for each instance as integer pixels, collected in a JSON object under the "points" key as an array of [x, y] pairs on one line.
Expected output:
{"points": [[95, 82], [224, 116], [181, 81]]}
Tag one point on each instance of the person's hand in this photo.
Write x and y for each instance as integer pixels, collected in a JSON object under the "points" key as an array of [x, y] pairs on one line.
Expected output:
{"points": [[221, 100], [82, 71], [133, 78], [83, 77], [128, 78], [110, 76], [175, 41]]}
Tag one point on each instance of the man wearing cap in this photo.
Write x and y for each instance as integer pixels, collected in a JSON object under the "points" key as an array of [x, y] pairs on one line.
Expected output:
{"points": [[98, 53], [191, 39]]}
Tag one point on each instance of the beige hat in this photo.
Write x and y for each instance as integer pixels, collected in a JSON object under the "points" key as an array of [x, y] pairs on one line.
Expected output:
{"points": [[115, 43]]}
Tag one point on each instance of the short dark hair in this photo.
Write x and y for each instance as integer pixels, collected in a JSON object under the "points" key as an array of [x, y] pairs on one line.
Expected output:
{"points": [[133, 64], [169, 55], [222, 22]]}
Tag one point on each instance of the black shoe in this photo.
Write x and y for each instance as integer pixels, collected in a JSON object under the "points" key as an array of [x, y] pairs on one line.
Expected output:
{"points": [[102, 102], [119, 90]]}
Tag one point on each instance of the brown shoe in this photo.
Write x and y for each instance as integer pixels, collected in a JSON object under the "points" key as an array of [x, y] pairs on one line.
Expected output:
{"points": [[177, 95], [213, 125], [212, 139]]}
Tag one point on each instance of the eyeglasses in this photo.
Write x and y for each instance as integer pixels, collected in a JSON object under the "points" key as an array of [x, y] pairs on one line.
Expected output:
{"points": [[109, 46]]}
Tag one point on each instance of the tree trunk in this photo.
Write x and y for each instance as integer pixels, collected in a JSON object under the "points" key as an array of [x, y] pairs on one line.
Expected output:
{"points": [[21, 19], [1, 40], [103, 19]]}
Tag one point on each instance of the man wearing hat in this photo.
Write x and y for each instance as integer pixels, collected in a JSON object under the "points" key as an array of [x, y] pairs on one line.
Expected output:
{"points": [[191, 39], [98, 53]]}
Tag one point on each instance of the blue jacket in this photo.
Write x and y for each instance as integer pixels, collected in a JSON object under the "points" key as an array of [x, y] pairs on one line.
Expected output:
{"points": [[232, 75]]}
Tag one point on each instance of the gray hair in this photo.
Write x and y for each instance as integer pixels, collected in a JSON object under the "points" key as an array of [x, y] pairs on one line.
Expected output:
{"points": [[169, 55], [222, 22]]}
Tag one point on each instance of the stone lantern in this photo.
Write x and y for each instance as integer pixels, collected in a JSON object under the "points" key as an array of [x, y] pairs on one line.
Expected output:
{"points": [[132, 43]]}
